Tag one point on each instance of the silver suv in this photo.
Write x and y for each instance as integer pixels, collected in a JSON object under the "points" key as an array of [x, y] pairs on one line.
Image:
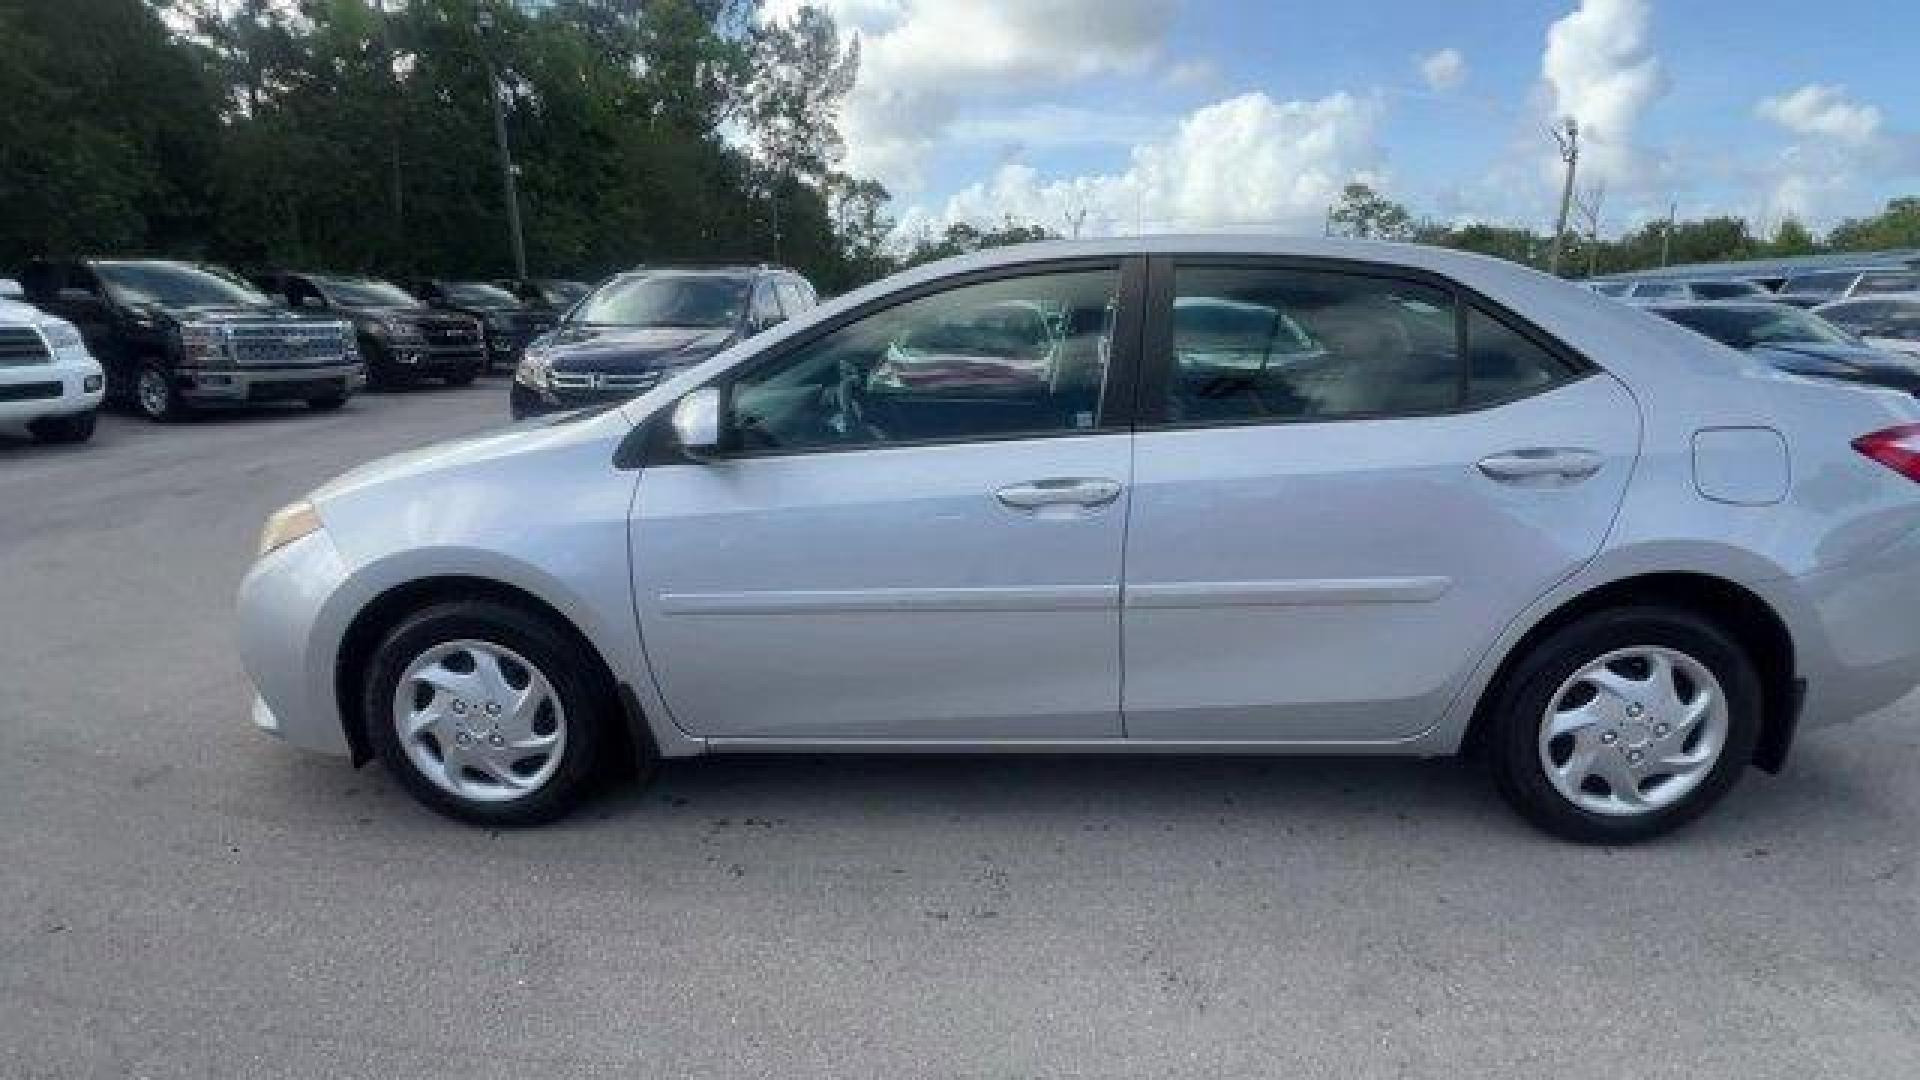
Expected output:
{"points": [[1186, 495]]}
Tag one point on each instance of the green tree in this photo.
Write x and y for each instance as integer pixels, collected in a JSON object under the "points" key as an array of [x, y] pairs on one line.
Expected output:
{"points": [[1898, 226], [1365, 213], [1791, 238]]}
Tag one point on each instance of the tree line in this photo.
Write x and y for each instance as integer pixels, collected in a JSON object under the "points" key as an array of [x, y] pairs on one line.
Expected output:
{"points": [[1364, 212], [357, 135]]}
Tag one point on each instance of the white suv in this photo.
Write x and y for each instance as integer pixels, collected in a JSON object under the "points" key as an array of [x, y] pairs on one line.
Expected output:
{"points": [[48, 380]]}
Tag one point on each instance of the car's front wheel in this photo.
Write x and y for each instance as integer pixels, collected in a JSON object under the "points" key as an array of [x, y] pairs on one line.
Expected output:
{"points": [[485, 713], [154, 393], [1626, 724]]}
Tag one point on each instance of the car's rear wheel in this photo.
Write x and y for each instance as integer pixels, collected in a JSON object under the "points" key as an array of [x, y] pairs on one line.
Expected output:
{"points": [[74, 428], [485, 713], [328, 403], [463, 377], [1626, 724]]}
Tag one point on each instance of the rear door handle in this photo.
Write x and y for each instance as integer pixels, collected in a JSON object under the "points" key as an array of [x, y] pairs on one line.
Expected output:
{"points": [[1059, 491], [1542, 465]]}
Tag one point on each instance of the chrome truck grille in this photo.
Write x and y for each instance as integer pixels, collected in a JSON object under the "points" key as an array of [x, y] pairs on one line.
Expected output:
{"points": [[21, 346], [289, 344]]}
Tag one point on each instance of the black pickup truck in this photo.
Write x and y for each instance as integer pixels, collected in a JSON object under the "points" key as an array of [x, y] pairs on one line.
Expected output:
{"points": [[508, 322], [402, 340], [175, 336]]}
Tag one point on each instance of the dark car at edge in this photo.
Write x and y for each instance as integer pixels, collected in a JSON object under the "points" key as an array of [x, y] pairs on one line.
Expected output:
{"points": [[1797, 341]]}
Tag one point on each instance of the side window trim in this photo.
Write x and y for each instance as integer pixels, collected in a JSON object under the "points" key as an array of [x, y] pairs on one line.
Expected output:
{"points": [[1155, 361], [654, 445]]}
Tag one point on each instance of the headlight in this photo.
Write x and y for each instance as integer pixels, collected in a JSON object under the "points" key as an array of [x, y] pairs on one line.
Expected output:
{"points": [[61, 336], [535, 370], [289, 523], [202, 346]]}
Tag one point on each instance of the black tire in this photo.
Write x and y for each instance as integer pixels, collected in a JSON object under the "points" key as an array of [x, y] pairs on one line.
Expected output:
{"points": [[1513, 743], [462, 378], [584, 700], [156, 397], [75, 428], [326, 404]]}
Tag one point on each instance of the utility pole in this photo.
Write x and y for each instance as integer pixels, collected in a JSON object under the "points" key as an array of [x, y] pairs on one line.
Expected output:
{"points": [[1666, 238], [1569, 140], [483, 20]]}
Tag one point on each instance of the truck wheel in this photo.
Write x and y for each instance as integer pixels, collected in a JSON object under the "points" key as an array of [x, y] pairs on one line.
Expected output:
{"points": [[155, 396], [75, 428], [328, 403]]}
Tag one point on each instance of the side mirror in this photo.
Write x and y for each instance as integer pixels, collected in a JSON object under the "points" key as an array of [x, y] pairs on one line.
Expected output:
{"points": [[696, 422]]}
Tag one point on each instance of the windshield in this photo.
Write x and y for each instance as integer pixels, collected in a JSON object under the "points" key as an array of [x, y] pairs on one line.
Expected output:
{"points": [[1752, 327], [365, 292], [1726, 290], [666, 300], [478, 294], [171, 285]]}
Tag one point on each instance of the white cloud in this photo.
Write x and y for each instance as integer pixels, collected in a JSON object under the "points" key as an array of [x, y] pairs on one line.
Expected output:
{"points": [[1444, 70], [1822, 110], [1191, 73], [923, 62], [1247, 161], [1601, 70]]}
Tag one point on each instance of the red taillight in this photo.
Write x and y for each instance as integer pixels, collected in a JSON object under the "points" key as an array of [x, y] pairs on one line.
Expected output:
{"points": [[1898, 448]]}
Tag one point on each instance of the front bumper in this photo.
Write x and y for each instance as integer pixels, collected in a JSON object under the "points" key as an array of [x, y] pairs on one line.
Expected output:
{"points": [[245, 385], [32, 391], [290, 625]]}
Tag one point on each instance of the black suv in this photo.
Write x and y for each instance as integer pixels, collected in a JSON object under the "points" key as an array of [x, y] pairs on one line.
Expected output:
{"points": [[636, 328], [173, 336], [402, 339], [509, 323]]}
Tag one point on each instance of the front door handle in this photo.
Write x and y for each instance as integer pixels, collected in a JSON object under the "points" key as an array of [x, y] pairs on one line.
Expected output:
{"points": [[1539, 465], [1059, 491]]}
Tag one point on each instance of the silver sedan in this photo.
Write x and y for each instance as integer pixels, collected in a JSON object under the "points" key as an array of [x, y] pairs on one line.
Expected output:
{"points": [[1402, 501]]}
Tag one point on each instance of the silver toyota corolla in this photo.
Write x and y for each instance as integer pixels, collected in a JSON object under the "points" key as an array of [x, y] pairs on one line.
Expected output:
{"points": [[1183, 495]]}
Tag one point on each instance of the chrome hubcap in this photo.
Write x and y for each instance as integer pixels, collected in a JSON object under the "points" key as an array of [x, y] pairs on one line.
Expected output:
{"points": [[153, 392], [1633, 731], [479, 721]]}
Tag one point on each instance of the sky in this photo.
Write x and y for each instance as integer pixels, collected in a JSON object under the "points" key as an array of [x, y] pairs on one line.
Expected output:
{"points": [[1112, 116]]}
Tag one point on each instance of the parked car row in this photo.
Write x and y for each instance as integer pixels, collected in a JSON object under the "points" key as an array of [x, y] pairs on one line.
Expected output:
{"points": [[1860, 326], [1804, 289], [170, 337]]}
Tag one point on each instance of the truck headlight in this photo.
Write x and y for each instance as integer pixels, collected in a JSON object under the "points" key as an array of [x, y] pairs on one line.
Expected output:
{"points": [[203, 346], [61, 336], [535, 370], [287, 524]]}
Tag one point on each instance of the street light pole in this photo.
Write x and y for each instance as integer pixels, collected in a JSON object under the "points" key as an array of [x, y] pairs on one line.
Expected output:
{"points": [[484, 20], [1570, 153]]}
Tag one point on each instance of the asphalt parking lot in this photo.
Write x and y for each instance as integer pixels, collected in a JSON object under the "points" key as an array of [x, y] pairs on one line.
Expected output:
{"points": [[180, 896]]}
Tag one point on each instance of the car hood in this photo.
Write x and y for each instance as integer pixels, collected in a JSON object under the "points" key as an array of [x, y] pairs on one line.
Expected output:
{"points": [[221, 316], [577, 347], [463, 455]]}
